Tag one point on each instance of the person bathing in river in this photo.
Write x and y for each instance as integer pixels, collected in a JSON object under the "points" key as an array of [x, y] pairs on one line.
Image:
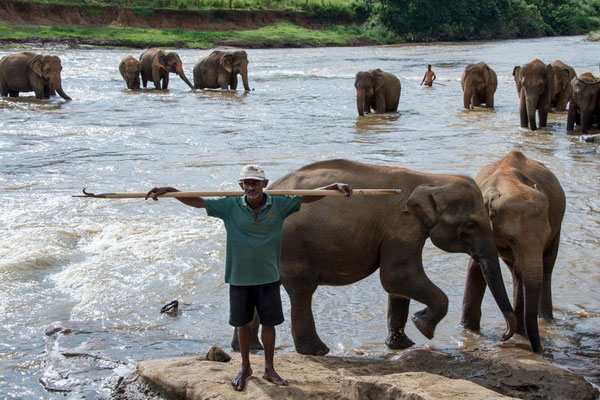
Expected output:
{"points": [[254, 224], [429, 76]]}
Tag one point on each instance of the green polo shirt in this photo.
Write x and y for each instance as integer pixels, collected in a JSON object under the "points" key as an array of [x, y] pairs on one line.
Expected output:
{"points": [[253, 242]]}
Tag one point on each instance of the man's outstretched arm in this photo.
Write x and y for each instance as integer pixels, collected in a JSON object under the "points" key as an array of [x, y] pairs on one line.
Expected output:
{"points": [[197, 202], [342, 187]]}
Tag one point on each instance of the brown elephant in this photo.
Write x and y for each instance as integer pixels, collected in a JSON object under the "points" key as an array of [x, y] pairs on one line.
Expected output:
{"points": [[26, 72], [526, 204], [479, 83], [156, 66], [376, 90], [535, 85], [341, 241], [563, 75], [584, 107], [220, 70], [130, 71]]}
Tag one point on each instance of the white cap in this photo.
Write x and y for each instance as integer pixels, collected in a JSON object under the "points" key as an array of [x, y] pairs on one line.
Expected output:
{"points": [[252, 172]]}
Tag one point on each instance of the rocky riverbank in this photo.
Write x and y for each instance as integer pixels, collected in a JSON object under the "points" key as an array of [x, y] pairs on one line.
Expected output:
{"points": [[419, 374]]}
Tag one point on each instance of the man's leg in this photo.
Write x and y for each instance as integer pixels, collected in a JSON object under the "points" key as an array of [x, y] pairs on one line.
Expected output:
{"points": [[244, 335], [268, 339]]}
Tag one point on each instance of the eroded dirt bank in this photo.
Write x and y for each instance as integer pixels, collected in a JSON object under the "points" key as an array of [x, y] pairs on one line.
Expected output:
{"points": [[66, 15]]}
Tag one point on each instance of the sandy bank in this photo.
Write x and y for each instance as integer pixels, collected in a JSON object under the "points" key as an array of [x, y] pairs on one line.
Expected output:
{"points": [[416, 374]]}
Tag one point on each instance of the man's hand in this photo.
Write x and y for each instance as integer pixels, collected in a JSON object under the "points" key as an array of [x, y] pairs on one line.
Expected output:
{"points": [[342, 187], [155, 192]]}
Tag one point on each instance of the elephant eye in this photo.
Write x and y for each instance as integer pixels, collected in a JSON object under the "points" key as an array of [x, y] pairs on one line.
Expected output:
{"points": [[511, 241], [470, 225]]}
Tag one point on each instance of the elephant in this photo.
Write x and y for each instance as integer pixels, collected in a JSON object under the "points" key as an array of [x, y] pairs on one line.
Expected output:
{"points": [[341, 241], [526, 205], [376, 90], [584, 106], [563, 75], [535, 85], [479, 83], [130, 71], [220, 70], [156, 66], [26, 72]]}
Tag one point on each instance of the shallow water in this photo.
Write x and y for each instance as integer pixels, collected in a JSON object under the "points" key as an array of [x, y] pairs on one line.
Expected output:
{"points": [[104, 268]]}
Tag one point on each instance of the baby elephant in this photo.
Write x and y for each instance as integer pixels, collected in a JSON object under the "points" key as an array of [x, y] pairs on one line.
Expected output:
{"points": [[584, 105], [376, 90], [526, 204], [479, 83], [130, 71]]}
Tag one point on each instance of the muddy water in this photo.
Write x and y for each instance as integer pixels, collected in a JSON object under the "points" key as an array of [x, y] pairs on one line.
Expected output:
{"points": [[103, 269]]}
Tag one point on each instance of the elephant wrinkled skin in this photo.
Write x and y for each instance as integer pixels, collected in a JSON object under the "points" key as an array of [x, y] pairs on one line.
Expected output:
{"points": [[584, 107], [220, 70], [340, 241], [376, 90], [526, 204], [27, 72], [130, 71], [563, 75], [156, 66], [535, 85], [479, 83]]}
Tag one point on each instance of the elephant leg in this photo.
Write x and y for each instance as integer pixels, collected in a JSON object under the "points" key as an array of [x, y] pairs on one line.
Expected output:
{"points": [[165, 82], [571, 117], [380, 101], [233, 82], [144, 81], [304, 332], [403, 275], [543, 114], [397, 317], [549, 258], [3, 87], [136, 83], [47, 92], [223, 81], [489, 99], [473, 296], [523, 111], [254, 342], [13, 93]]}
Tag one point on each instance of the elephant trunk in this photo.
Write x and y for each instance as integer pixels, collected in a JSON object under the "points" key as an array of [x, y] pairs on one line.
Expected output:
{"points": [[183, 77], [531, 107], [586, 119], [360, 101], [532, 275], [244, 74], [467, 98], [57, 85]]}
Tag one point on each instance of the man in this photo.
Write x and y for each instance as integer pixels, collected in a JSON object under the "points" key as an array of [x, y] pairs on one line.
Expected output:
{"points": [[429, 76], [254, 225]]}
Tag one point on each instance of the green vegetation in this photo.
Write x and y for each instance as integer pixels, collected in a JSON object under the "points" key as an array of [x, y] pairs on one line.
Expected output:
{"points": [[424, 20], [333, 36]]}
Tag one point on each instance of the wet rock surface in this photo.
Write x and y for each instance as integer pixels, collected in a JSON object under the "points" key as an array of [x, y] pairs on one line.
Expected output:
{"points": [[414, 374]]}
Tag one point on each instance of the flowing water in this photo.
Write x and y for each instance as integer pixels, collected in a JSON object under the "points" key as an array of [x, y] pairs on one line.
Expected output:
{"points": [[104, 268]]}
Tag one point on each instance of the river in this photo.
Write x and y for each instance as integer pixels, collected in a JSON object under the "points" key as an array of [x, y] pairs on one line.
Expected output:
{"points": [[104, 268]]}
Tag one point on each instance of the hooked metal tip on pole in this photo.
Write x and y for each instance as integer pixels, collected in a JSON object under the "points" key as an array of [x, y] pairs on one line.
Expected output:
{"points": [[99, 196]]}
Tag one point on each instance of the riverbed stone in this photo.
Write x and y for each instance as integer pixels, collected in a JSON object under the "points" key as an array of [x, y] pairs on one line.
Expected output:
{"points": [[413, 374]]}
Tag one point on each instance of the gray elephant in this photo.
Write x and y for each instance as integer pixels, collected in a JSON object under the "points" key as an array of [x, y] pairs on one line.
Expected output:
{"points": [[333, 242], [479, 83], [563, 75], [535, 85], [526, 205], [156, 66], [584, 107], [377, 90], [220, 70], [130, 71], [26, 72]]}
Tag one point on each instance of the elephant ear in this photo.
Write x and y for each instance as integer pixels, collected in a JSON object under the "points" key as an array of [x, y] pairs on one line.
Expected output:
{"points": [[488, 199], [226, 61], [379, 80], [35, 64], [517, 74], [422, 204], [550, 74], [486, 76], [161, 60]]}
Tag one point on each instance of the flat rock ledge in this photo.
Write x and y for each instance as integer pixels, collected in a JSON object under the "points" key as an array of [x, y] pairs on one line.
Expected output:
{"points": [[418, 374]]}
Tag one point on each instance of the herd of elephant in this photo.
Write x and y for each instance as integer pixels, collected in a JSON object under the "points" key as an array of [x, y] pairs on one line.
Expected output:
{"points": [[513, 209], [539, 86]]}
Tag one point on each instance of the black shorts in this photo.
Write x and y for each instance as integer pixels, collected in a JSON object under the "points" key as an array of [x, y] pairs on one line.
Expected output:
{"points": [[265, 298]]}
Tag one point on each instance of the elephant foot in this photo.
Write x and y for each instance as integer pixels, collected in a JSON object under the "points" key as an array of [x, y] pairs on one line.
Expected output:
{"points": [[423, 323], [471, 325], [312, 348], [398, 341]]}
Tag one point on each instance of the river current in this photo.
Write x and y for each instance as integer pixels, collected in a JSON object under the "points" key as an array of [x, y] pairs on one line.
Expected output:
{"points": [[104, 268]]}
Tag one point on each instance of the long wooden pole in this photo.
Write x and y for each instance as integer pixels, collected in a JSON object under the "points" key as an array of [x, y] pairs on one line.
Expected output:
{"points": [[284, 192]]}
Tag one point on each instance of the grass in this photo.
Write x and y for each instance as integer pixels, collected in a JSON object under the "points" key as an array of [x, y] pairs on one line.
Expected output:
{"points": [[136, 37]]}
